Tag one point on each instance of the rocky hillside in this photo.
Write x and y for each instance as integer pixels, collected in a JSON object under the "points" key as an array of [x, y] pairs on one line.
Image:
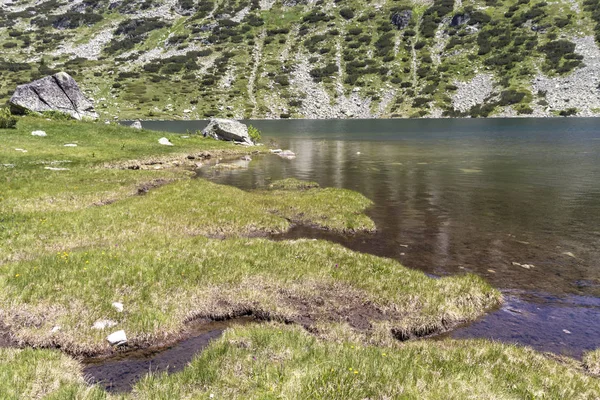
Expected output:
{"points": [[313, 59]]}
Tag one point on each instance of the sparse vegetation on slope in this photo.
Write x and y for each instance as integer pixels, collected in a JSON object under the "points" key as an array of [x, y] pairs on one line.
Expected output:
{"points": [[232, 58]]}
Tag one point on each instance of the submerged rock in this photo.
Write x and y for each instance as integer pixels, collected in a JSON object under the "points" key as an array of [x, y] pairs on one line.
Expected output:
{"points": [[58, 92], [287, 154], [228, 129]]}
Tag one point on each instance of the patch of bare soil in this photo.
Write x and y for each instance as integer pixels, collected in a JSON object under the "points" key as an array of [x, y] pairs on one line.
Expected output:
{"points": [[153, 184], [6, 339]]}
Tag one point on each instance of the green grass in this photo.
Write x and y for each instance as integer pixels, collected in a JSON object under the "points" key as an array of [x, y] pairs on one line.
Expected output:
{"points": [[173, 248], [591, 361], [35, 374], [276, 361]]}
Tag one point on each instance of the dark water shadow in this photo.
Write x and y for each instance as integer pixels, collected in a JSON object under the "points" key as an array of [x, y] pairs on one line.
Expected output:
{"points": [[121, 372]]}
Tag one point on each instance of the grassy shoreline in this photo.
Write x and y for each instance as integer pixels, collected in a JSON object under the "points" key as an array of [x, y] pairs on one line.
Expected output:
{"points": [[172, 249]]}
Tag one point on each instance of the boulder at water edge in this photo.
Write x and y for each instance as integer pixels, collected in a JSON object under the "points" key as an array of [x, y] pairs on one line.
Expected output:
{"points": [[228, 129], [58, 92]]}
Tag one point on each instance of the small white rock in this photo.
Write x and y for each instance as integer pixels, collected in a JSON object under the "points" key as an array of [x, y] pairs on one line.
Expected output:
{"points": [[275, 151], [136, 125], [165, 142], [118, 306], [21, 150], [567, 331], [56, 169], [186, 111], [358, 153], [70, 145], [117, 338], [38, 133], [103, 324], [55, 329]]}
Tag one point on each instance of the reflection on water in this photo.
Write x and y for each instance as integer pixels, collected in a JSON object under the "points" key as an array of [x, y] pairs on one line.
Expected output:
{"points": [[515, 201]]}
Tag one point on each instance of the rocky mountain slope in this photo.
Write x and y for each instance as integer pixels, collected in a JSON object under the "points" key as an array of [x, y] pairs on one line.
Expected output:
{"points": [[313, 59]]}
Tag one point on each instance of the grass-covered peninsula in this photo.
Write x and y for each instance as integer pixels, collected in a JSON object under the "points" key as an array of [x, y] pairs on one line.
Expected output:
{"points": [[116, 217]]}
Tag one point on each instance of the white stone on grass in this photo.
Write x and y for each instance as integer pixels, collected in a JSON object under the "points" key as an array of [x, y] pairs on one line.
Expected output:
{"points": [[56, 169], [136, 125], [70, 145], [21, 150], [103, 324], [118, 306], [117, 338], [38, 133], [55, 329], [165, 142]]}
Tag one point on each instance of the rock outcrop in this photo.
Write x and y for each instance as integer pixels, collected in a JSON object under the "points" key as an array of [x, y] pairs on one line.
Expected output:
{"points": [[58, 92], [227, 129]]}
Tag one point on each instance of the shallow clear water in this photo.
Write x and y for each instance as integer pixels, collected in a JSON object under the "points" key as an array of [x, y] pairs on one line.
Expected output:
{"points": [[516, 201]]}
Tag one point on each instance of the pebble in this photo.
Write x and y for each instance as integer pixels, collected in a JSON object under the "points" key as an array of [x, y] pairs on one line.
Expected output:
{"points": [[118, 306], [55, 329], [56, 169], [70, 145], [103, 323], [21, 150], [165, 142], [567, 331], [117, 338], [38, 133]]}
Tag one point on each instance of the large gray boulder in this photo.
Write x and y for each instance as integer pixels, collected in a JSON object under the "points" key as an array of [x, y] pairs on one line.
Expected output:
{"points": [[227, 129], [58, 92]]}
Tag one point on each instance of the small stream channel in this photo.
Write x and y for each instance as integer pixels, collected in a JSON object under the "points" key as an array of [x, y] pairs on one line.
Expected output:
{"points": [[119, 373]]}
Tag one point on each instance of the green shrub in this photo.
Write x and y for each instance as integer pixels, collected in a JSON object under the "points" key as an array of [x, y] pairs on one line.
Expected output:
{"points": [[7, 120], [568, 112], [347, 13], [254, 134]]}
